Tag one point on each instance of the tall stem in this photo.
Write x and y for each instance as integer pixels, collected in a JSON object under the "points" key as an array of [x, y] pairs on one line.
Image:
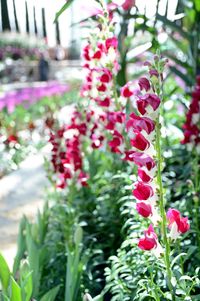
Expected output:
{"points": [[196, 195], [162, 208]]}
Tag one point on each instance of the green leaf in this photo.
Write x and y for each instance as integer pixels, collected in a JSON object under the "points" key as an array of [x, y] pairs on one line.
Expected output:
{"points": [[34, 259], [177, 258], [21, 245], [4, 273], [15, 291], [78, 235], [26, 282], [197, 5], [63, 8], [51, 295]]}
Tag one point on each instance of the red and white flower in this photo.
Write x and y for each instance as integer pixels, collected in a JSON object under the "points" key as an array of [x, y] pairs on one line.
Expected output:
{"points": [[192, 125], [177, 224]]}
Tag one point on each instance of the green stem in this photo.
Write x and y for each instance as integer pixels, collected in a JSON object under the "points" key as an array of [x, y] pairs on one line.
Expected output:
{"points": [[196, 196], [162, 208], [115, 94]]}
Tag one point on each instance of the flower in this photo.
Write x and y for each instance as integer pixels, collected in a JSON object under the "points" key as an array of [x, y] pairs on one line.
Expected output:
{"points": [[144, 84], [144, 209], [147, 102], [142, 191], [128, 4], [149, 241], [192, 125], [142, 160], [139, 141], [106, 76], [111, 42], [116, 143], [140, 123], [125, 91], [144, 177], [177, 224]]}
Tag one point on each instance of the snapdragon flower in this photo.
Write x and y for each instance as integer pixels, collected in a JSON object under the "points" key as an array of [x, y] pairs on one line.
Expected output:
{"points": [[192, 125], [143, 130]]}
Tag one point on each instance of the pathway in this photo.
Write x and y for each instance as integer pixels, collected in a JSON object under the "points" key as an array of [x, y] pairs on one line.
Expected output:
{"points": [[21, 192]]}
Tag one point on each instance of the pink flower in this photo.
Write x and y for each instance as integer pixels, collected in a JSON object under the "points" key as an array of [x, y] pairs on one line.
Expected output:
{"points": [[102, 88], [139, 141], [12, 139], [86, 54], [151, 100], [97, 55], [153, 72], [111, 42], [142, 191], [144, 209], [142, 160], [144, 84], [149, 241], [106, 76], [140, 123], [82, 178], [143, 176], [105, 102], [96, 141], [174, 216], [128, 4], [125, 91], [116, 142]]}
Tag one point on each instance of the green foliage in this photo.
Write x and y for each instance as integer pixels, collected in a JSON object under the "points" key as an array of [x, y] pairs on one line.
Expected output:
{"points": [[4, 273], [63, 8], [51, 295]]}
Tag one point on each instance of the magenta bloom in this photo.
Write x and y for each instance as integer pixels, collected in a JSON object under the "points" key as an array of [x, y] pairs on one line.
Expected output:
{"points": [[140, 123], [111, 42], [106, 77], [126, 92], [128, 4], [97, 55], [144, 84], [151, 100], [116, 142], [144, 209], [142, 191], [149, 241], [139, 141], [143, 176], [142, 160], [174, 216]]}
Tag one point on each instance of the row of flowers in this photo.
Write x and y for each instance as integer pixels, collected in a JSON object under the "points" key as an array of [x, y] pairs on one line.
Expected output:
{"points": [[29, 95], [107, 128]]}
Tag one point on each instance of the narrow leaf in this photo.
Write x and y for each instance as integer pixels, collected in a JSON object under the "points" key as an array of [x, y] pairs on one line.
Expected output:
{"points": [[4, 273], [51, 295], [63, 8], [15, 291]]}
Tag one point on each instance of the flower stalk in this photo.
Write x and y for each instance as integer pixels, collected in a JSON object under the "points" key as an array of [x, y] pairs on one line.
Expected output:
{"points": [[162, 206]]}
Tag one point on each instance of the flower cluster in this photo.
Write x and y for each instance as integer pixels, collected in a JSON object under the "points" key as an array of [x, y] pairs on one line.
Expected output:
{"points": [[67, 157], [192, 125], [101, 66], [101, 63], [143, 130]]}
